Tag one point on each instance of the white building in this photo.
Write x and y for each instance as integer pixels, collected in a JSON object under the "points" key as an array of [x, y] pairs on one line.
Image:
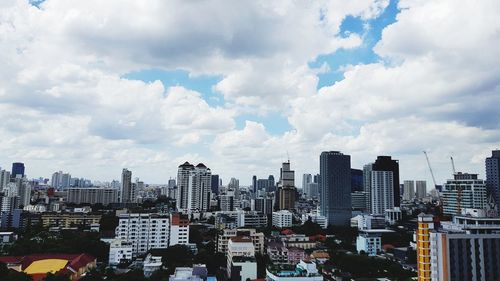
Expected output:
{"points": [[4, 178], [179, 229], [367, 222], [146, 231], [151, 264], [382, 191], [464, 191], [282, 218], [393, 215], [226, 234], [370, 243], [316, 218], [194, 188], [198, 272], [120, 250], [241, 263]]}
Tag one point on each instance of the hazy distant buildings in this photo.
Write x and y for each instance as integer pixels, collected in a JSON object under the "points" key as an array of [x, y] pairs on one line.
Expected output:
{"points": [[335, 182], [421, 189], [4, 178], [463, 191], [127, 192], [60, 180], [92, 195], [408, 190], [306, 178], [493, 175]]}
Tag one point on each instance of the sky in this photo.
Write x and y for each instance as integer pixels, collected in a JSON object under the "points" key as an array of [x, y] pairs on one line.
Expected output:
{"points": [[91, 87]]}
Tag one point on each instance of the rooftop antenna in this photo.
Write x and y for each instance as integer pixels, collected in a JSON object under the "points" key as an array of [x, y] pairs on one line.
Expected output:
{"points": [[288, 156]]}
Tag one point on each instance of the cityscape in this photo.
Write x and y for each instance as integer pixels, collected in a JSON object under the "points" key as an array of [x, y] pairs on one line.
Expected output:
{"points": [[250, 140]]}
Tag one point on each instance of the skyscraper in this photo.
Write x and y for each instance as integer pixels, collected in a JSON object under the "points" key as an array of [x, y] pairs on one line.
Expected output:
{"points": [[386, 163], [356, 180], [183, 175], [408, 190], [17, 170], [254, 184], [199, 190], [382, 191], [272, 184], [335, 182], [421, 189], [215, 184], [306, 178], [493, 175], [286, 187], [126, 193]]}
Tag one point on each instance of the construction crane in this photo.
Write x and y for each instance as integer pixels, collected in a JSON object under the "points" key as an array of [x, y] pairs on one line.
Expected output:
{"points": [[430, 169], [453, 165]]}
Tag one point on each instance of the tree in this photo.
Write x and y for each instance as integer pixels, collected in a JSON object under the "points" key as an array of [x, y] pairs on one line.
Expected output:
{"points": [[56, 277]]}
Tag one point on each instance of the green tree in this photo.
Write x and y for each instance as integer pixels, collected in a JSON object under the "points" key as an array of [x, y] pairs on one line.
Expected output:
{"points": [[56, 277]]}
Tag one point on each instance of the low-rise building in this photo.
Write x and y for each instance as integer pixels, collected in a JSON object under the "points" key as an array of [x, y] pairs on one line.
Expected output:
{"points": [[241, 263], [370, 243], [303, 271], [226, 234], [120, 251], [67, 220], [198, 272], [151, 264], [282, 219], [364, 222]]}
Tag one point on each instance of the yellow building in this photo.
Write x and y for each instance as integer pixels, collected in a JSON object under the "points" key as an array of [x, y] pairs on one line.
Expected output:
{"points": [[67, 220], [425, 225]]}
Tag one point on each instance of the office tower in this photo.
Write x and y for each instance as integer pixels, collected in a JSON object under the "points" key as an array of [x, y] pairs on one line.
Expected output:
{"points": [[272, 184], [199, 188], [286, 187], [464, 191], [179, 229], [145, 231], [421, 189], [215, 184], [493, 175], [254, 184], [4, 179], [126, 193], [183, 178], [312, 190], [425, 225], [92, 195], [356, 180], [17, 170], [408, 190], [306, 178], [386, 163], [335, 186], [382, 192]]}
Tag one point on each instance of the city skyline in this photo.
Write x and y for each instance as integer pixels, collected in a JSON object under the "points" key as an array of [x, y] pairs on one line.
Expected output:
{"points": [[96, 92]]}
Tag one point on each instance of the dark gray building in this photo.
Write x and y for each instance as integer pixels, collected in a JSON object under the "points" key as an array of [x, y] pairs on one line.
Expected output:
{"points": [[335, 186], [493, 175]]}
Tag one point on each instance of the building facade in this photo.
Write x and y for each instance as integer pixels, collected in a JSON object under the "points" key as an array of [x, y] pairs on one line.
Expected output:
{"points": [[462, 192]]}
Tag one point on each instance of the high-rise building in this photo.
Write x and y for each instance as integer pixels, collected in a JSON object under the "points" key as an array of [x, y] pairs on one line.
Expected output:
{"points": [[145, 231], [306, 178], [386, 163], [493, 175], [199, 188], [183, 178], [272, 184], [465, 249], [215, 184], [4, 178], [356, 180], [286, 187], [311, 190], [464, 191], [421, 189], [126, 193], [254, 184], [382, 192], [335, 186], [425, 226], [17, 170], [241, 262], [408, 190], [179, 229]]}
